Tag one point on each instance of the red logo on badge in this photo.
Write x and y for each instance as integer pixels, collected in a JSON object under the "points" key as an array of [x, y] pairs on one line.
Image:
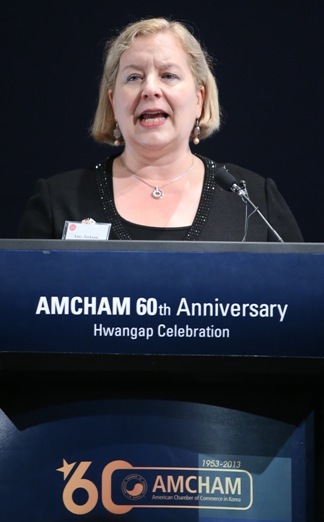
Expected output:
{"points": [[72, 227]]}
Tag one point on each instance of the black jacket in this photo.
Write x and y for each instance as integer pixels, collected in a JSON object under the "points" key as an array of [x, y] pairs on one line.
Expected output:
{"points": [[80, 194]]}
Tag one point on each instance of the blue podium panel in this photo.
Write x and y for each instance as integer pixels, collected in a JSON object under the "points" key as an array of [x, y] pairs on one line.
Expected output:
{"points": [[139, 298], [137, 461]]}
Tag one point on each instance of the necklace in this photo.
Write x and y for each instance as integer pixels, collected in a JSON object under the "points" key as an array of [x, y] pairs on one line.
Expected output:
{"points": [[157, 193]]}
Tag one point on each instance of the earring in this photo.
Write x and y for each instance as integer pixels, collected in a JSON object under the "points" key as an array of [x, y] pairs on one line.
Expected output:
{"points": [[117, 135], [196, 133]]}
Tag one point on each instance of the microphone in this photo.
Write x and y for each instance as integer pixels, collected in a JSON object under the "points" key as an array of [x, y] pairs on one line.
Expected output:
{"points": [[227, 181]]}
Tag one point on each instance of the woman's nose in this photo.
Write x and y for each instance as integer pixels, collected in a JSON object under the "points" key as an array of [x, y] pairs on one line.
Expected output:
{"points": [[151, 86]]}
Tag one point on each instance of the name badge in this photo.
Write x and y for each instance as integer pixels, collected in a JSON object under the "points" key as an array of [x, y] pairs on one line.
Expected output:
{"points": [[86, 229]]}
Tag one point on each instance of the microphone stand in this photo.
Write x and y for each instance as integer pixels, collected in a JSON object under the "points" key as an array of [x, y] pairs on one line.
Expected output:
{"points": [[242, 192]]}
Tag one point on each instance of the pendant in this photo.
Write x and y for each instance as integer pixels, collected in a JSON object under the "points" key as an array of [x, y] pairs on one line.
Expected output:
{"points": [[157, 193]]}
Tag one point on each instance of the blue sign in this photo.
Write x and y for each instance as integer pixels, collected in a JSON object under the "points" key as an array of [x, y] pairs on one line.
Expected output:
{"points": [[153, 460], [162, 302]]}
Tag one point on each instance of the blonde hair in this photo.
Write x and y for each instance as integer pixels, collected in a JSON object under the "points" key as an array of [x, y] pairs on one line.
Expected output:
{"points": [[199, 60]]}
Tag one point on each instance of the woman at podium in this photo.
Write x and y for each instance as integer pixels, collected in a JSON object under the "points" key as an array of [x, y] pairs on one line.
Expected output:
{"points": [[158, 100]]}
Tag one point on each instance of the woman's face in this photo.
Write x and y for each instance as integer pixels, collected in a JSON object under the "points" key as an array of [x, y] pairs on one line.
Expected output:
{"points": [[156, 100]]}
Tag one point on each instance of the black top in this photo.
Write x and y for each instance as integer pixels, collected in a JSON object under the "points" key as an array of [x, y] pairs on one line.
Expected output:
{"points": [[221, 216]]}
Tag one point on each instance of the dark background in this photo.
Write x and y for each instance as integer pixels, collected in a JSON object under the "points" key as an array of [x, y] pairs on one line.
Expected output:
{"points": [[268, 63]]}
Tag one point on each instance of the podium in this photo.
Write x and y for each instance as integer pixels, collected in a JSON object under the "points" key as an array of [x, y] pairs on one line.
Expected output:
{"points": [[161, 380]]}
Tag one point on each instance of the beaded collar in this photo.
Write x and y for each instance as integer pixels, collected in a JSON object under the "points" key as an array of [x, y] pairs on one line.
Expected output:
{"points": [[105, 187]]}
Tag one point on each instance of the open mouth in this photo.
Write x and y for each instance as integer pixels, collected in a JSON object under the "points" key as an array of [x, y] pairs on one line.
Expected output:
{"points": [[153, 116]]}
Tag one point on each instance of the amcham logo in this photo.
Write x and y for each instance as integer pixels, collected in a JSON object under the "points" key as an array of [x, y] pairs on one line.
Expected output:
{"points": [[134, 487], [125, 487]]}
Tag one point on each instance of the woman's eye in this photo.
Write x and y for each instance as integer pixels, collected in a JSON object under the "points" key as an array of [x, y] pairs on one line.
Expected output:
{"points": [[168, 76], [133, 77]]}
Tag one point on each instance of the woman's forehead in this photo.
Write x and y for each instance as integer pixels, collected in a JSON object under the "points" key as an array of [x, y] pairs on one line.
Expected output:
{"points": [[163, 46]]}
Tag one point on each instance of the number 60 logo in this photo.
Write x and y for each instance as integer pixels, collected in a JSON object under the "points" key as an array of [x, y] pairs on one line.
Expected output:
{"points": [[76, 481]]}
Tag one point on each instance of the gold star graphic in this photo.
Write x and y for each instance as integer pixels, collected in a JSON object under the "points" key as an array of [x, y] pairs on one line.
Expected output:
{"points": [[66, 468]]}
